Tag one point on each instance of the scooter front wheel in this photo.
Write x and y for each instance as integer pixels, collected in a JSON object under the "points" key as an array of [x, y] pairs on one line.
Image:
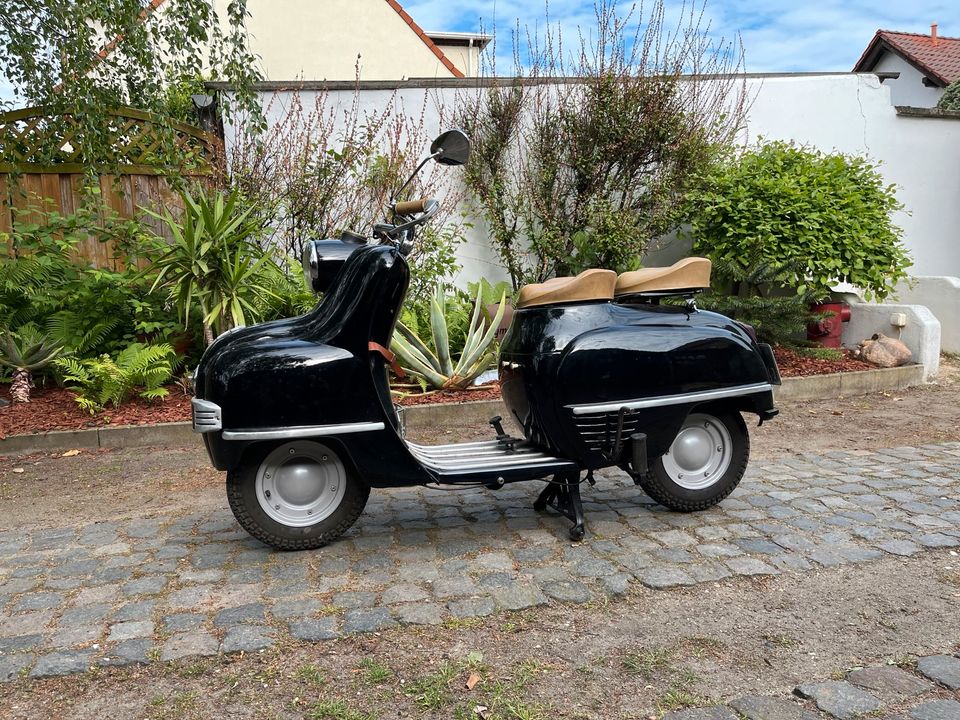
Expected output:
{"points": [[704, 464], [297, 495]]}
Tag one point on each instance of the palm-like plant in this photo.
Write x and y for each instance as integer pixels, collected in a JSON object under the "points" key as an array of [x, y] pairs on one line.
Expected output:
{"points": [[26, 350], [438, 369], [212, 262]]}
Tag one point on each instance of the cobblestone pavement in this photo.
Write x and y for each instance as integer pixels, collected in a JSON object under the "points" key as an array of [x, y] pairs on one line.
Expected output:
{"points": [[929, 691], [162, 588]]}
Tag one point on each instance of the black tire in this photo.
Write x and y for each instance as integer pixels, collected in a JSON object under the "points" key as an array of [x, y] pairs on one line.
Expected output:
{"points": [[660, 486], [242, 495]]}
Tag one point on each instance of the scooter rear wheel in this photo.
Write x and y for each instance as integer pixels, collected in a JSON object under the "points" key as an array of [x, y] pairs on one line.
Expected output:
{"points": [[297, 495], [704, 464]]}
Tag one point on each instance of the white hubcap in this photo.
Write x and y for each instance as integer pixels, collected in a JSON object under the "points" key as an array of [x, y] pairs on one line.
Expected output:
{"points": [[301, 483], [700, 454]]}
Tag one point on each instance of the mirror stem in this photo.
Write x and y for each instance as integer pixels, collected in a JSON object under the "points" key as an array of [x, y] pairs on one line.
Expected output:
{"points": [[423, 162]]}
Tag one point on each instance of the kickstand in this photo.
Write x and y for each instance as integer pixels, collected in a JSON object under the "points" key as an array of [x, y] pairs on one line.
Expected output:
{"points": [[563, 495]]}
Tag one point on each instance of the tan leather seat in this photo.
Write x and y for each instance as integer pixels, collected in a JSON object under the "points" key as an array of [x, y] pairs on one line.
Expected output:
{"points": [[588, 285], [691, 273]]}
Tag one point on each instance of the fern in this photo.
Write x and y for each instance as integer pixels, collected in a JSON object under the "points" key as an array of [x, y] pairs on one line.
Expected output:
{"points": [[105, 380]]}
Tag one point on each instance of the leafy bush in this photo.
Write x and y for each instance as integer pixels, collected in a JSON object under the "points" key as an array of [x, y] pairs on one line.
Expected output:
{"points": [[432, 361], [950, 100], [825, 217], [137, 368], [25, 351], [87, 310]]}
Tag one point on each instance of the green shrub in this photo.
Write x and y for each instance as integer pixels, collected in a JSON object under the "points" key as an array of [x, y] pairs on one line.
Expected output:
{"points": [[757, 296], [106, 380], [825, 217]]}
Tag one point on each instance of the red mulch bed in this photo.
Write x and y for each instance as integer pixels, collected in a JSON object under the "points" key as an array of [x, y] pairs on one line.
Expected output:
{"points": [[795, 364], [53, 408]]}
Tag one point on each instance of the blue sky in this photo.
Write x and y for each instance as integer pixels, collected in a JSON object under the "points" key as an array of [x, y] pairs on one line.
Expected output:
{"points": [[777, 35]]}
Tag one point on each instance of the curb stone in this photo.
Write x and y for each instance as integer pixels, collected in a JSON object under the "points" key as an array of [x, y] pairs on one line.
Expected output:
{"points": [[813, 387]]}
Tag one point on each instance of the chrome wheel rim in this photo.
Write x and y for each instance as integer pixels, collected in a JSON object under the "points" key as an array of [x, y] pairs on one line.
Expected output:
{"points": [[700, 454], [301, 483]]}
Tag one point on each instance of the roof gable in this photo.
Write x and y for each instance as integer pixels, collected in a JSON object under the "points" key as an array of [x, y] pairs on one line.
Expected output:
{"points": [[441, 56], [936, 57]]}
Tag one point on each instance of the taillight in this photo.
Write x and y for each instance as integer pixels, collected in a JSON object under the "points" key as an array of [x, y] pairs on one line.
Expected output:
{"points": [[748, 329]]}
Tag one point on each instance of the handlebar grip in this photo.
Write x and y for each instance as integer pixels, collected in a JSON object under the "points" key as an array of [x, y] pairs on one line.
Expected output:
{"points": [[410, 207]]}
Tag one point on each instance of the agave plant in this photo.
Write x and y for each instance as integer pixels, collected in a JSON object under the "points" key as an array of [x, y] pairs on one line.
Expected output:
{"points": [[25, 351], [438, 369]]}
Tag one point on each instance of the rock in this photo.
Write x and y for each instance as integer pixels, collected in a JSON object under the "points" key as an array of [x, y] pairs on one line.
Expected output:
{"points": [[757, 707], [937, 710], [706, 713], [471, 607], [130, 630], [63, 662], [247, 638], [944, 669], [251, 612], [888, 678], [188, 644], [419, 614], [367, 620], [11, 666], [517, 596], [883, 351], [839, 698], [315, 629], [128, 652], [567, 591]]}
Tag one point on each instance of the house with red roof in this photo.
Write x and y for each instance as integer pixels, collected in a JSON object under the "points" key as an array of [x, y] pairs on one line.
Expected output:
{"points": [[917, 67], [334, 39]]}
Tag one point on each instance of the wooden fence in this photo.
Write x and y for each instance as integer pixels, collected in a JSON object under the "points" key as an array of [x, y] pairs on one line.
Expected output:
{"points": [[41, 170]]}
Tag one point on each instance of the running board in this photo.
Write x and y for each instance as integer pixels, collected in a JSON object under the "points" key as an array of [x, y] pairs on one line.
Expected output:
{"points": [[488, 461]]}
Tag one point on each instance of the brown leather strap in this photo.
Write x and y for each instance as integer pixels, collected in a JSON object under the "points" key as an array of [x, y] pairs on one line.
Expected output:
{"points": [[388, 356]]}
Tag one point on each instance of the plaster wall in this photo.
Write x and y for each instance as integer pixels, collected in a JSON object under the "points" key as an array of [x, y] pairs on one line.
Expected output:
{"points": [[908, 89]]}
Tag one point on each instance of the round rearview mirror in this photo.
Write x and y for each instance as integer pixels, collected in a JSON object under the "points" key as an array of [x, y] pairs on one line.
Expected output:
{"points": [[451, 148]]}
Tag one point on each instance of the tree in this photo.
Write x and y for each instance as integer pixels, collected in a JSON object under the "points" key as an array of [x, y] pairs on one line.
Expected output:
{"points": [[586, 161], [88, 57], [950, 100]]}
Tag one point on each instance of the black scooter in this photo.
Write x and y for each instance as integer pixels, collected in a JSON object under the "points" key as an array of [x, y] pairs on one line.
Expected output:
{"points": [[595, 369]]}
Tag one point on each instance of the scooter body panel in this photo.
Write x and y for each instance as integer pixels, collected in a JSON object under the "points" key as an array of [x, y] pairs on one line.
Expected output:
{"points": [[566, 370]]}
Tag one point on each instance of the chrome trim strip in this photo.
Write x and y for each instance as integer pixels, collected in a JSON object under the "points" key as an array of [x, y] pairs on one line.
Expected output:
{"points": [[205, 416], [702, 396], [303, 431]]}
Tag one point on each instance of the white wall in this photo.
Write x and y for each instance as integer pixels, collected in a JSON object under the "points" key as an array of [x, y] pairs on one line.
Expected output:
{"points": [[942, 296], [838, 112], [908, 89]]}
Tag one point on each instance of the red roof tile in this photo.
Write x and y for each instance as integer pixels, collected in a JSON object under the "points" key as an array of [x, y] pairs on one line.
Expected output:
{"points": [[938, 58], [441, 56]]}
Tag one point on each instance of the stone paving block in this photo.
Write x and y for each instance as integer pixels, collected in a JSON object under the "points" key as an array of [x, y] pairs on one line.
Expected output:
{"points": [[471, 607], [840, 698], [518, 596], [567, 591], [454, 587], [889, 679], [62, 662], [419, 613], [84, 614], [405, 592], [179, 622], [189, 644], [355, 599], [750, 566], [938, 540], [937, 710], [660, 577], [75, 635], [38, 601], [142, 610], [249, 613], [616, 585], [149, 585], [135, 651], [363, 620], [758, 707], [718, 712], [20, 643], [13, 666], [315, 629], [130, 630], [593, 567], [944, 669], [285, 609], [247, 638], [903, 548]]}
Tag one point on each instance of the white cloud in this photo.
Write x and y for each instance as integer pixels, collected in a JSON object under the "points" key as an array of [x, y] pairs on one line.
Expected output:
{"points": [[778, 36]]}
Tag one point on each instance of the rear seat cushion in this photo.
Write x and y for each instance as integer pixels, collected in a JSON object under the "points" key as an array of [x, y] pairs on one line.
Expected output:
{"points": [[691, 273]]}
